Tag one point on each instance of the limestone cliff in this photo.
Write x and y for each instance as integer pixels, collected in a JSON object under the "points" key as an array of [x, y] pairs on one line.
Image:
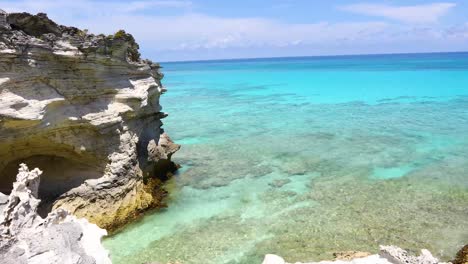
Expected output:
{"points": [[84, 109]]}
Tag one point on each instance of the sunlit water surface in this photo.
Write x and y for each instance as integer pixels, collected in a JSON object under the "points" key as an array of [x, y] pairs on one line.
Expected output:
{"points": [[303, 157]]}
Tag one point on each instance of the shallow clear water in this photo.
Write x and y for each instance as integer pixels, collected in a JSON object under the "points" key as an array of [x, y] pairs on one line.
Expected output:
{"points": [[303, 157]]}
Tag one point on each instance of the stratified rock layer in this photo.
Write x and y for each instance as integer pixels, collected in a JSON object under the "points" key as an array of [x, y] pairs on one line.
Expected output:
{"points": [[85, 110], [60, 238]]}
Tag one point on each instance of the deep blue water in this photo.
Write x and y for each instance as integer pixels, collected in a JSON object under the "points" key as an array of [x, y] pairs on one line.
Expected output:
{"points": [[303, 157]]}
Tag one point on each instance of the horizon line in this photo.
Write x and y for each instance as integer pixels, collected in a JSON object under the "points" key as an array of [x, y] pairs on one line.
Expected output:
{"points": [[311, 56]]}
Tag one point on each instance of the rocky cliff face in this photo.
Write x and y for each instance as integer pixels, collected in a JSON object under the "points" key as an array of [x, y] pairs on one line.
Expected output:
{"points": [[85, 110]]}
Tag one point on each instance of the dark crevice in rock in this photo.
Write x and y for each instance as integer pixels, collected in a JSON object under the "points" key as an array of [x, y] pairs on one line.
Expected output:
{"points": [[59, 176]]}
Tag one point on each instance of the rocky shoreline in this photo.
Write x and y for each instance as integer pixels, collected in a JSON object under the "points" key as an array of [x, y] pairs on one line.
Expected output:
{"points": [[387, 255], [84, 109], [26, 237]]}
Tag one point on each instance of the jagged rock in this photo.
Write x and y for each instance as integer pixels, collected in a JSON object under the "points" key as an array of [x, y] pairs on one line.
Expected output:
{"points": [[60, 238], [397, 255], [3, 21], [85, 109], [20, 211], [387, 255], [3, 203]]}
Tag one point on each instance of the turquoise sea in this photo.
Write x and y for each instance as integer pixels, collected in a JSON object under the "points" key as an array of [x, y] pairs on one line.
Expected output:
{"points": [[304, 157]]}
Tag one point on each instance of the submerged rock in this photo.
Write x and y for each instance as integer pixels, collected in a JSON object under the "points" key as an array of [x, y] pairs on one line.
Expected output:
{"points": [[278, 183], [462, 256], [350, 255], [25, 237], [85, 109], [387, 255]]}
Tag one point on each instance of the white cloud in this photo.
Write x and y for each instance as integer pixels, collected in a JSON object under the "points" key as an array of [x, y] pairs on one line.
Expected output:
{"points": [[190, 31], [457, 32], [143, 5], [196, 31], [89, 7], [426, 13], [185, 32]]}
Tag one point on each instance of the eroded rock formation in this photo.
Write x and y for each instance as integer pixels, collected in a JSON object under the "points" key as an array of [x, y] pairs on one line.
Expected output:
{"points": [[60, 238], [85, 110]]}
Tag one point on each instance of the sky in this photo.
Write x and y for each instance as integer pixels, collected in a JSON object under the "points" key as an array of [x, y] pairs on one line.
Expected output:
{"points": [[180, 30]]}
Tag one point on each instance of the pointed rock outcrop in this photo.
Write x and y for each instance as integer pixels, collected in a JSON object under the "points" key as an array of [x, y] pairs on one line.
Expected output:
{"points": [[60, 238]]}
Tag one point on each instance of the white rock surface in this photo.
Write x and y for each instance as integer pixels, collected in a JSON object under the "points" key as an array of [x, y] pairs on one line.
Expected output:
{"points": [[60, 238], [399, 256], [273, 259]]}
